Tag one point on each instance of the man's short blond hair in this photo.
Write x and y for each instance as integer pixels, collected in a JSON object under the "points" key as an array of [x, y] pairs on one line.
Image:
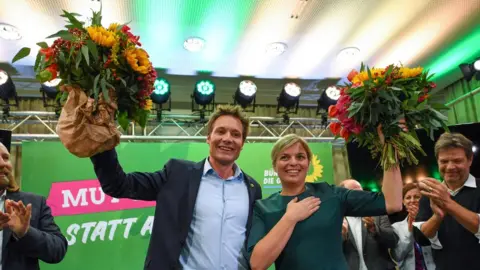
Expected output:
{"points": [[454, 140], [287, 141], [235, 111]]}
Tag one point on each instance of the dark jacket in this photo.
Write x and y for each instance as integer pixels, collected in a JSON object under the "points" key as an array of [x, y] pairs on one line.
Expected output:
{"points": [[43, 241], [174, 188]]}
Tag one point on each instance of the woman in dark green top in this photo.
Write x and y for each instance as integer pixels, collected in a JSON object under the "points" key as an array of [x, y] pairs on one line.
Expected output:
{"points": [[300, 227]]}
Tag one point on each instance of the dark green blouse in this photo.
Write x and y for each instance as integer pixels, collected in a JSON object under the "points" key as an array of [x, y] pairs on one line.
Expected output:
{"points": [[316, 243]]}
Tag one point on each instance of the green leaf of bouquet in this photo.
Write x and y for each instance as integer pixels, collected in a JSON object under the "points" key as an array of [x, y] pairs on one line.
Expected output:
{"points": [[24, 52], [42, 45], [123, 120], [369, 72], [92, 47], [362, 67], [71, 18], [103, 85], [439, 106], [354, 108], [44, 76], [37, 61], [439, 115], [95, 87], [64, 34], [85, 54], [78, 59], [123, 82]]}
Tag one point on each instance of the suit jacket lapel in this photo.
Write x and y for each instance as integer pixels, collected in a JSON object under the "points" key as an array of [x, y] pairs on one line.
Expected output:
{"points": [[364, 235], [195, 176], [351, 238]]}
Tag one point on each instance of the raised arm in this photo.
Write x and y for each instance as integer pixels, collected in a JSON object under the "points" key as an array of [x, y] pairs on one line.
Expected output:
{"points": [[116, 183], [392, 190], [267, 249]]}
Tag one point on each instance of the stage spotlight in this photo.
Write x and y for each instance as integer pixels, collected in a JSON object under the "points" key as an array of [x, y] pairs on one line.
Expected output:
{"points": [[204, 92], [49, 89], [471, 70], [327, 98], [7, 91], [290, 96], [161, 93], [245, 93]]}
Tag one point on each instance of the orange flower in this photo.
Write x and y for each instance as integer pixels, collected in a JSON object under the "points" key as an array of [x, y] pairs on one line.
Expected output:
{"points": [[332, 111], [352, 75], [345, 134], [335, 128]]}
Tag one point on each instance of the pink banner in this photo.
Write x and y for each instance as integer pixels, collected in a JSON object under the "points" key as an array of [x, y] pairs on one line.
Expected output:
{"points": [[86, 196]]}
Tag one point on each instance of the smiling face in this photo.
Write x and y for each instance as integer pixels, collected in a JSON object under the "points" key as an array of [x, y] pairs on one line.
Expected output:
{"points": [[5, 167], [292, 164], [226, 139], [412, 197], [454, 166]]}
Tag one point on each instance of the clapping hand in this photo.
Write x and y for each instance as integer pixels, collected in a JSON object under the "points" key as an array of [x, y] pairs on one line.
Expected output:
{"points": [[17, 217], [412, 214]]}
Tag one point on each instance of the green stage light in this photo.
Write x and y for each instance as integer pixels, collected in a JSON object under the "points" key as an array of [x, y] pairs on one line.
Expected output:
{"points": [[161, 92], [204, 92]]}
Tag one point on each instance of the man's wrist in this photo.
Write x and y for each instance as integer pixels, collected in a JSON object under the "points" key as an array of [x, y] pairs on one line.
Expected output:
{"points": [[20, 235]]}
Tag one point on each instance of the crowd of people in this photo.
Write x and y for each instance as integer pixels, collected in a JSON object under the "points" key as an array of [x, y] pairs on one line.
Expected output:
{"points": [[211, 214]]}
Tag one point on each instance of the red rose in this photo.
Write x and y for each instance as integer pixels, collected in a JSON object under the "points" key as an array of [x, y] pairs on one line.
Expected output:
{"points": [[332, 111], [352, 75], [335, 128], [344, 133]]}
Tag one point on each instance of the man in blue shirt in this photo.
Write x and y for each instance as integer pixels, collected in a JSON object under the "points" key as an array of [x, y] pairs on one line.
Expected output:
{"points": [[204, 209]]}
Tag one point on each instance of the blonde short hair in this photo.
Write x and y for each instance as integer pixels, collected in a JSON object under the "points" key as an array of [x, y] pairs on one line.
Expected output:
{"points": [[287, 141], [235, 111], [454, 140]]}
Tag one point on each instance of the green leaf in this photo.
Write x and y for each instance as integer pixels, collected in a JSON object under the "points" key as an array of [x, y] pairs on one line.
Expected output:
{"points": [[123, 120], [109, 73], [439, 106], [71, 18], [44, 76], [362, 67], [85, 54], [123, 82], [37, 61], [103, 85], [24, 52], [95, 87], [64, 34], [78, 59], [92, 47], [354, 108], [369, 73], [42, 45]]}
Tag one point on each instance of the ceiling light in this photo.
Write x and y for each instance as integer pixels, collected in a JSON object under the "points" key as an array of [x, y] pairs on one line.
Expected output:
{"points": [[9, 32], [276, 48], [292, 89], [327, 98], [289, 96], [348, 55], [194, 44]]}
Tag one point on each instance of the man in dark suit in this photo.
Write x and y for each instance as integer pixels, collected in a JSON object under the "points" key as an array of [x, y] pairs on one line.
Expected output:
{"points": [[29, 231], [204, 209], [367, 240]]}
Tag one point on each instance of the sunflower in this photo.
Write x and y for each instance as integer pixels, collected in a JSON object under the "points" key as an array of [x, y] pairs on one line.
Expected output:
{"points": [[101, 36], [138, 60], [317, 170]]}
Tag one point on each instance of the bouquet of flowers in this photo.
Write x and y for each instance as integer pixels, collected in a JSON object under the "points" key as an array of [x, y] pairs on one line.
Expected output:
{"points": [[385, 98], [104, 75]]}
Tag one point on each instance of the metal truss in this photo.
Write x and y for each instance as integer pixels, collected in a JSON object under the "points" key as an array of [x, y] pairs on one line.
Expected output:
{"points": [[175, 127]]}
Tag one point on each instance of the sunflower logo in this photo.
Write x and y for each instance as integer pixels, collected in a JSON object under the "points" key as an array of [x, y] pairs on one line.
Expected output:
{"points": [[317, 170]]}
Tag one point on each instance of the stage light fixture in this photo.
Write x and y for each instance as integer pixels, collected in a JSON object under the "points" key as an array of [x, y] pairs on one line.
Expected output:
{"points": [[204, 92], [290, 95], [329, 97], [7, 91], [246, 93], [471, 70], [50, 88], [161, 93]]}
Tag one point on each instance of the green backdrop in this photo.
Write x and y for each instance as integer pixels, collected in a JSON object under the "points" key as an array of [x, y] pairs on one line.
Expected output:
{"points": [[118, 239]]}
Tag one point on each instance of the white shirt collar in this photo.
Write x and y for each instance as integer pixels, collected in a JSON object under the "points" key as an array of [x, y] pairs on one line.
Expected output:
{"points": [[471, 183]]}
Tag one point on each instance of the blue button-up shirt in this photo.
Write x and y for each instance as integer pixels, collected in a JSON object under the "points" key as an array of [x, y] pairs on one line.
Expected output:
{"points": [[218, 229]]}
